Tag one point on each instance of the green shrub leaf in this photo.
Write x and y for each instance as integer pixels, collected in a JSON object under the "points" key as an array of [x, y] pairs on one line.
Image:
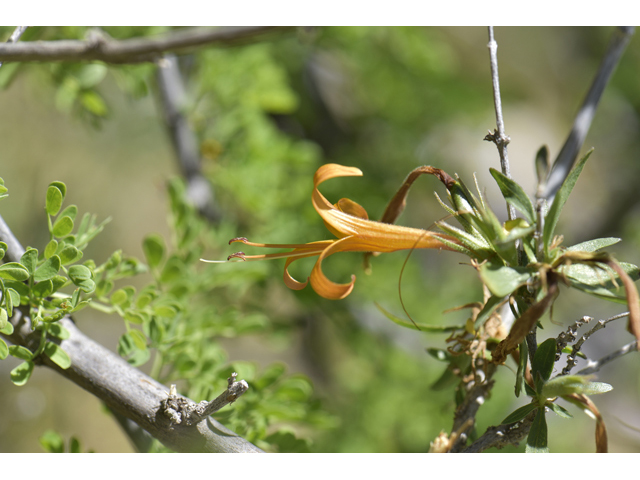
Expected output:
{"points": [[48, 269], [537, 439], [20, 375], [54, 200], [57, 355], [62, 227]]}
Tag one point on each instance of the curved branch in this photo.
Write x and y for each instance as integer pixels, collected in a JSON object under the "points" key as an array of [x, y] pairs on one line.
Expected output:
{"points": [[99, 46], [123, 388]]}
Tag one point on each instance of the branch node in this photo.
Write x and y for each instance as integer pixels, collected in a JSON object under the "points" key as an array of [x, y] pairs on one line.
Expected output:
{"points": [[182, 410]]}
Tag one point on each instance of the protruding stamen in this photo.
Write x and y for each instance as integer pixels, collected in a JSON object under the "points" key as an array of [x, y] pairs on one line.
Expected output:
{"points": [[238, 239], [239, 255]]}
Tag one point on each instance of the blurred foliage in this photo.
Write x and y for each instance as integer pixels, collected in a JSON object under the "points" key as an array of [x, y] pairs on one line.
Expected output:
{"points": [[267, 115]]}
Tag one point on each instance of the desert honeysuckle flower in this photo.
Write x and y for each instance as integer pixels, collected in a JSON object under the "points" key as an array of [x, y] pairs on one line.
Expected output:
{"points": [[350, 223]]}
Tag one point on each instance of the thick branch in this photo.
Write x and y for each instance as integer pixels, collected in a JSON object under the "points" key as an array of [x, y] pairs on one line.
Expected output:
{"points": [[98, 46], [123, 388]]}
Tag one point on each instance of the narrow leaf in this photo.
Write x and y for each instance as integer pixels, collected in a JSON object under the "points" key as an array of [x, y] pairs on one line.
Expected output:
{"points": [[418, 326], [551, 220], [559, 410], [537, 439], [520, 413], [594, 245], [544, 359], [4, 349], [515, 195]]}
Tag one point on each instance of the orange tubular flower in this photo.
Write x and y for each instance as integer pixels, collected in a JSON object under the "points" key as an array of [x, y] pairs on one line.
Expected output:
{"points": [[350, 223]]}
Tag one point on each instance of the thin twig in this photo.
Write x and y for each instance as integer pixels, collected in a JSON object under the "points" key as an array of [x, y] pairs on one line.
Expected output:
{"points": [[593, 367], [569, 152], [499, 137], [99, 46]]}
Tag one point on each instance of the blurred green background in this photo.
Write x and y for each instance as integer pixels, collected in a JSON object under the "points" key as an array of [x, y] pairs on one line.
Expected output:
{"points": [[267, 116]]}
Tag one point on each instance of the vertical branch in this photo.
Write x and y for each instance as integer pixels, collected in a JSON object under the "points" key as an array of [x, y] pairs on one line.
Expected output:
{"points": [[173, 99], [498, 136]]}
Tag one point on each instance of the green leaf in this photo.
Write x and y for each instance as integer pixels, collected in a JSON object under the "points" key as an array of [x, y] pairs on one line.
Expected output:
{"points": [[515, 195], [542, 164], [172, 271], [544, 359], [51, 248], [490, 306], [43, 288], [598, 281], [30, 259], [537, 439], [70, 254], [62, 227], [569, 384], [79, 272], [4, 349], [138, 338], [74, 445], [136, 317], [103, 287], [8, 329], [58, 331], [128, 350], [153, 247], [94, 103], [502, 280], [594, 245], [48, 269], [119, 297], [559, 410], [54, 200], [18, 351], [71, 211], [87, 286], [57, 355], [60, 186], [522, 367], [551, 220], [52, 442], [4, 319], [520, 413], [418, 326], [20, 375], [270, 376]]}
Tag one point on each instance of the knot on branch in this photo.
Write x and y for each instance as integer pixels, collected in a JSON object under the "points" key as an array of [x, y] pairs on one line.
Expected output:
{"points": [[181, 410], [495, 137]]}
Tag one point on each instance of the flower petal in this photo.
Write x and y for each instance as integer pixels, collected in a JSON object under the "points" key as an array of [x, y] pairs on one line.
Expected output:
{"points": [[321, 284]]}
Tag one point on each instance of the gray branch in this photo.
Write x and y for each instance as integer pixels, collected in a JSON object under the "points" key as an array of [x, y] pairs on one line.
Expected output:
{"points": [[15, 36], [123, 388], [173, 99], [499, 137], [593, 367], [569, 152], [502, 435], [99, 46]]}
